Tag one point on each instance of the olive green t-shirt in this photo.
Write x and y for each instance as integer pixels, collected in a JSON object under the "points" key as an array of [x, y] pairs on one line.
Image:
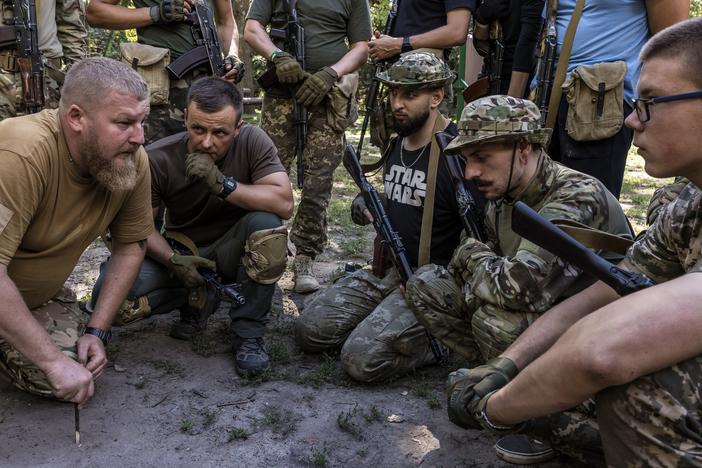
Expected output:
{"points": [[177, 37], [191, 208], [328, 24], [49, 214]]}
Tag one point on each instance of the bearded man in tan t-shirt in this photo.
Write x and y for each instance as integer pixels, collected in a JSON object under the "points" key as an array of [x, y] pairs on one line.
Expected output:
{"points": [[67, 176]]}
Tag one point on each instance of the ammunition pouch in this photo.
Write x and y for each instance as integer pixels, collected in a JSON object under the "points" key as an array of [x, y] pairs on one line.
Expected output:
{"points": [[150, 62], [342, 108], [595, 96], [8, 61], [266, 255], [381, 121]]}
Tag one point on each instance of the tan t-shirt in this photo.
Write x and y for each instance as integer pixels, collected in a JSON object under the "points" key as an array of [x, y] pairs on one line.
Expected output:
{"points": [[49, 214]]}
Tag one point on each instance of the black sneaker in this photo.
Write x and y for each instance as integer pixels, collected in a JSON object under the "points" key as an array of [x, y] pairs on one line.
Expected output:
{"points": [[250, 356], [520, 449]]}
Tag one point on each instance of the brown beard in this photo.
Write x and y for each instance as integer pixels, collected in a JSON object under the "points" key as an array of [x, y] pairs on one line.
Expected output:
{"points": [[114, 178]]}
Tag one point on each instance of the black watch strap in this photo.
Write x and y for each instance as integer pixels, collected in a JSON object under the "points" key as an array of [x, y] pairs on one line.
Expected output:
{"points": [[406, 46], [104, 335], [228, 186]]}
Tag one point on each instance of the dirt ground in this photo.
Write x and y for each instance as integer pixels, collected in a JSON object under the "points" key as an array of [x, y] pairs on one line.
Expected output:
{"points": [[164, 402]]}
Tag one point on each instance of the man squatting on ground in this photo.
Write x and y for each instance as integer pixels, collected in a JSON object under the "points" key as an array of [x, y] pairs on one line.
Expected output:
{"points": [[646, 379], [336, 46], [364, 315], [225, 192], [85, 161]]}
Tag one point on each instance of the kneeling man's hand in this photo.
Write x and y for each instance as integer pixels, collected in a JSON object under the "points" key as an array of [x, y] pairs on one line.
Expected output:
{"points": [[185, 268], [202, 166], [70, 381], [91, 353]]}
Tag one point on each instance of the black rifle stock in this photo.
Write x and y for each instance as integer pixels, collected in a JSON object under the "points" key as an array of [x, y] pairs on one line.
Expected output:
{"points": [[467, 207], [207, 50], [373, 88], [381, 223], [19, 18], [532, 226], [546, 68], [495, 59]]}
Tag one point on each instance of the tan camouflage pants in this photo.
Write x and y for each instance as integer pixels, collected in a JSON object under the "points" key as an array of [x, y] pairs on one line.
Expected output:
{"points": [[369, 319], [11, 101], [322, 156], [61, 320], [439, 305]]}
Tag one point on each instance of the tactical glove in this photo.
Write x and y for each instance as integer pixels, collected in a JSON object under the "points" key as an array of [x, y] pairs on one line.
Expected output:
{"points": [[202, 166], [466, 389], [316, 87], [491, 10], [358, 207], [287, 68], [184, 267], [233, 62], [167, 11]]}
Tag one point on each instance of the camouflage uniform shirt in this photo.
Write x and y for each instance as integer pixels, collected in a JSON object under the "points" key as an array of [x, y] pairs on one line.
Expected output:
{"points": [[512, 273]]}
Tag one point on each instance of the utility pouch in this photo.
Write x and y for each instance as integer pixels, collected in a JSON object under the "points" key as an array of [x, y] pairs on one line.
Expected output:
{"points": [[150, 62], [595, 96], [342, 108], [381, 121]]}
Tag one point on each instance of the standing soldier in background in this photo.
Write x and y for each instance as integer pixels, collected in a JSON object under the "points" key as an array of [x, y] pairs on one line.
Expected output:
{"points": [[62, 37], [163, 36], [327, 88]]}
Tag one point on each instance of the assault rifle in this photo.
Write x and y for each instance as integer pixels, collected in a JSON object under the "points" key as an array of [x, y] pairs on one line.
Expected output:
{"points": [[18, 31], [546, 68], [294, 36], [490, 79], [207, 50], [532, 226], [381, 223], [468, 209], [372, 95]]}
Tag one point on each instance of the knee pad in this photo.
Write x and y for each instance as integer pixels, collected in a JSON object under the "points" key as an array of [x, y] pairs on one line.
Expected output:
{"points": [[265, 254]]}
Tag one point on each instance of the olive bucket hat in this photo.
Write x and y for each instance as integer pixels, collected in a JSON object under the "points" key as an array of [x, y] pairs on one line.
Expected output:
{"points": [[418, 70], [499, 118]]}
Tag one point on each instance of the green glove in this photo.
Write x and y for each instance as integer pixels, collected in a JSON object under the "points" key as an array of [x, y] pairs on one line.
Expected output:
{"points": [[287, 68], [233, 62], [316, 87], [167, 11], [202, 166], [466, 389], [358, 206], [185, 268]]}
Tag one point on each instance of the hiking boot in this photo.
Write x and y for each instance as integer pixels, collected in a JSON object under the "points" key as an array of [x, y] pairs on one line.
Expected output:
{"points": [[305, 282], [188, 326], [250, 356], [520, 449]]}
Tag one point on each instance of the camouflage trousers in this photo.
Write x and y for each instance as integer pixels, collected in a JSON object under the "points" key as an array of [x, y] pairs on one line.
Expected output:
{"points": [[321, 156], [438, 303], [367, 318], [62, 321], [11, 100]]}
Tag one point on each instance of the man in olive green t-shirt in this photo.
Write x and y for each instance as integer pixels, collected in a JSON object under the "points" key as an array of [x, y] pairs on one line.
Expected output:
{"points": [[327, 88], [68, 175], [163, 23]]}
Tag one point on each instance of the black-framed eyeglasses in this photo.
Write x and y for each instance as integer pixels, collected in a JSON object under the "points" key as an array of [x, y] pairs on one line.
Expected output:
{"points": [[643, 106]]}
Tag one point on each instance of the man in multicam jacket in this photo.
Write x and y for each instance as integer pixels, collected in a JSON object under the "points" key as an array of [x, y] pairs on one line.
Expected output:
{"points": [[639, 356]]}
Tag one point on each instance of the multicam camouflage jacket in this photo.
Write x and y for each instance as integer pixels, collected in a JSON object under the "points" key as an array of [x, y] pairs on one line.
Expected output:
{"points": [[514, 274]]}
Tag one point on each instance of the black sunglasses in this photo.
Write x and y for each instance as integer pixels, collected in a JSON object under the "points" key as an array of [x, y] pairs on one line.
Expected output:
{"points": [[643, 106]]}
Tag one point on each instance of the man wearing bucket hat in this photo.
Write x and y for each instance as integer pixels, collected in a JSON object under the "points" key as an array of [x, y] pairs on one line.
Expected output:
{"points": [[492, 291], [363, 314]]}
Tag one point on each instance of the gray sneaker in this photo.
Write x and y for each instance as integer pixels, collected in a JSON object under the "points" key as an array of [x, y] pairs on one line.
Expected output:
{"points": [[520, 449], [250, 356]]}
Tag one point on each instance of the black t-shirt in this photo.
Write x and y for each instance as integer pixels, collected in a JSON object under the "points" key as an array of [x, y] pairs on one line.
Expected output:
{"points": [[405, 180], [419, 16]]}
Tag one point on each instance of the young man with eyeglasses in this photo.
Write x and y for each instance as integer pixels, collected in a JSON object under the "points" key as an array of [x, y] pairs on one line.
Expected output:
{"points": [[640, 356]]}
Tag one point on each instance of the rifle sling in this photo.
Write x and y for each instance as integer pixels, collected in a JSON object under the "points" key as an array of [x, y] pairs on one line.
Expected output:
{"points": [[556, 91], [594, 238], [440, 124]]}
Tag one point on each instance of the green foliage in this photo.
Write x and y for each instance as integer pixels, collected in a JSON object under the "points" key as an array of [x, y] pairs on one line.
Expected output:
{"points": [[695, 8], [237, 433]]}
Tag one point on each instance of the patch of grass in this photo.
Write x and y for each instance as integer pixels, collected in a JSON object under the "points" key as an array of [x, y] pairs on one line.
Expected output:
{"points": [[204, 345], [345, 422], [433, 402], [208, 417], [168, 367], [279, 352], [139, 382], [278, 420], [237, 433], [340, 212], [186, 425], [355, 246], [374, 414], [328, 372], [317, 458], [258, 378]]}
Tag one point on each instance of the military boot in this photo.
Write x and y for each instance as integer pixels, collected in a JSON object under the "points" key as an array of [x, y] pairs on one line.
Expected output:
{"points": [[305, 282], [193, 320], [250, 356]]}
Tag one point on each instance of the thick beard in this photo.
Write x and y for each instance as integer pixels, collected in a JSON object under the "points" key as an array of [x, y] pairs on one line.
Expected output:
{"points": [[114, 178], [411, 125]]}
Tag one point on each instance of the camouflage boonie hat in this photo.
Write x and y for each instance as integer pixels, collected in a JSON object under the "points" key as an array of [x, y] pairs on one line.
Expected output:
{"points": [[499, 118], [419, 70]]}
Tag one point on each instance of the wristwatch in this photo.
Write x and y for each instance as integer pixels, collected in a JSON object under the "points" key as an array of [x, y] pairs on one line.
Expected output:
{"points": [[104, 335], [406, 46], [274, 53], [228, 186]]}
